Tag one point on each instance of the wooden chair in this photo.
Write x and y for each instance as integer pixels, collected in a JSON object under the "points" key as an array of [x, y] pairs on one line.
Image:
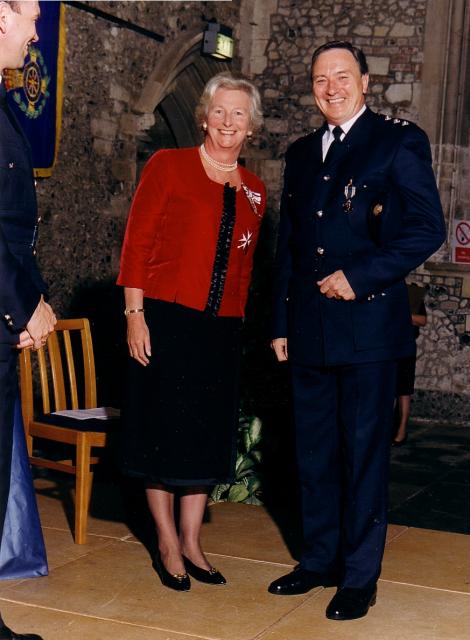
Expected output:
{"points": [[69, 348]]}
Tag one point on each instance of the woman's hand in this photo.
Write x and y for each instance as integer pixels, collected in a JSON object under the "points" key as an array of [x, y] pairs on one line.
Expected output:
{"points": [[138, 338]]}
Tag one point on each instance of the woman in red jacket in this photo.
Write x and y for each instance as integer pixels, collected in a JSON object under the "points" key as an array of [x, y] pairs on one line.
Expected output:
{"points": [[186, 265]]}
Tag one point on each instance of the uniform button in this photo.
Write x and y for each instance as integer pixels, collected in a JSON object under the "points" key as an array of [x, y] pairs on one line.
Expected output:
{"points": [[39, 218], [320, 251], [34, 252], [326, 177], [319, 213]]}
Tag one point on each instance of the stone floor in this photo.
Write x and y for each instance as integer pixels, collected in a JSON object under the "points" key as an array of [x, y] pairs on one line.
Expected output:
{"points": [[107, 590], [430, 479]]}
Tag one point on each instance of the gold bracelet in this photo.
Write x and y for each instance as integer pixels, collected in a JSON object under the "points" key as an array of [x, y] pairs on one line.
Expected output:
{"points": [[127, 312]]}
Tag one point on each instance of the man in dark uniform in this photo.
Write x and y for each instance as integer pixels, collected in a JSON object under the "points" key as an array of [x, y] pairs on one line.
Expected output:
{"points": [[359, 210], [25, 318]]}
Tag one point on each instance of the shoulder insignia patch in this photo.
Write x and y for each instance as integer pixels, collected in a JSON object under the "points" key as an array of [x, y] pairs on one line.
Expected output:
{"points": [[400, 121]]}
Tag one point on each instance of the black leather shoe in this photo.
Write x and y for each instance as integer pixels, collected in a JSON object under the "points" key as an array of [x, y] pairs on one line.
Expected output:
{"points": [[208, 576], [300, 581], [176, 581], [8, 634], [349, 603]]}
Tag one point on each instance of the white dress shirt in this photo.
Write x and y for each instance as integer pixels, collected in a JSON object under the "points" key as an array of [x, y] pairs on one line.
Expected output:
{"points": [[328, 136]]}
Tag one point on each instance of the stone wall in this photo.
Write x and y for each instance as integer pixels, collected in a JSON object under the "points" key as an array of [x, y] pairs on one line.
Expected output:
{"points": [[392, 34], [442, 367], [84, 205]]}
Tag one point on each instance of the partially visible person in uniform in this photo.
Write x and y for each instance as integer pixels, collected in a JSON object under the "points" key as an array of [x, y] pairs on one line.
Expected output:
{"points": [[186, 267], [360, 210], [406, 367], [25, 318]]}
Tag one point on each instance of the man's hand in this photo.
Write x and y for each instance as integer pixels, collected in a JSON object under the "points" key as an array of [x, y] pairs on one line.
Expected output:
{"points": [[279, 345], [40, 325], [25, 341], [336, 286]]}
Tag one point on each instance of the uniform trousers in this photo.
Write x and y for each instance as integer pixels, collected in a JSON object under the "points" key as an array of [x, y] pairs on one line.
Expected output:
{"points": [[343, 420], [8, 392]]}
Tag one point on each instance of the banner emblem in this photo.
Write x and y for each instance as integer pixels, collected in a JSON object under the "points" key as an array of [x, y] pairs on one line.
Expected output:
{"points": [[34, 81]]}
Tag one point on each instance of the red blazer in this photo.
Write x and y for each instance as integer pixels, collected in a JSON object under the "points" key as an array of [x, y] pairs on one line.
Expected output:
{"points": [[171, 236]]}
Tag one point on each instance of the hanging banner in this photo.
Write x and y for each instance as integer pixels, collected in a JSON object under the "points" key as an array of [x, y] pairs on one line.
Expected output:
{"points": [[34, 93]]}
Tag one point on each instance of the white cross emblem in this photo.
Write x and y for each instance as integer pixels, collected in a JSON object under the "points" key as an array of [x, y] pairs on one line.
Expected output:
{"points": [[245, 240]]}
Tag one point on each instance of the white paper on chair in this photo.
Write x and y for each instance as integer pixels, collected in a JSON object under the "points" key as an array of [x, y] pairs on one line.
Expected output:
{"points": [[98, 413]]}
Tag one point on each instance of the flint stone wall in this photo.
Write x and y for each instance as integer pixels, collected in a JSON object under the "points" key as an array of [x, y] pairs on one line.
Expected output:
{"points": [[84, 205], [391, 34]]}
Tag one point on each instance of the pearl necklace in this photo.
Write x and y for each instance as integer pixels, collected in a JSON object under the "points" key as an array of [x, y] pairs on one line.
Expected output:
{"points": [[220, 166]]}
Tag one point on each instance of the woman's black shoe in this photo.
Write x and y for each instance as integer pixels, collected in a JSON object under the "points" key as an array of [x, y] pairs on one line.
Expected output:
{"points": [[208, 576], [176, 581]]}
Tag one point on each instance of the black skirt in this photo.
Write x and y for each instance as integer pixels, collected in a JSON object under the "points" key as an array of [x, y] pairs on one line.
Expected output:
{"points": [[406, 376], [180, 416]]}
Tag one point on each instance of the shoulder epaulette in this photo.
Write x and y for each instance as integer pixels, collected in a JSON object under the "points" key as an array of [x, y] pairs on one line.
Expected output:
{"points": [[393, 120]]}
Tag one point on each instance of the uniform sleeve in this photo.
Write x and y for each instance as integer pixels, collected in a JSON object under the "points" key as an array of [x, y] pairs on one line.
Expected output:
{"points": [[18, 295], [282, 264], [145, 217], [423, 227]]}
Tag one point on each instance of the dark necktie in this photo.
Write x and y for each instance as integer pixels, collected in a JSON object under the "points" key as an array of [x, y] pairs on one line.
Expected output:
{"points": [[335, 145]]}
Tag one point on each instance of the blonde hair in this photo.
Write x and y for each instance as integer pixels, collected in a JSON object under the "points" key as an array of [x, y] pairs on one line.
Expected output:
{"points": [[226, 80]]}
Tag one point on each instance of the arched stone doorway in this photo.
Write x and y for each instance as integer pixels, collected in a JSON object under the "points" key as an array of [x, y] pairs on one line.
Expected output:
{"points": [[171, 94]]}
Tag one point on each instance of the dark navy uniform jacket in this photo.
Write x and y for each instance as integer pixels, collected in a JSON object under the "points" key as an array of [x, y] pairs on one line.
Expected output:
{"points": [[21, 285], [393, 222], [20, 282]]}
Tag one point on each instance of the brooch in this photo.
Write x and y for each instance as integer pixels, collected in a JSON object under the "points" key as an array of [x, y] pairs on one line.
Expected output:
{"points": [[253, 197], [245, 241], [349, 193]]}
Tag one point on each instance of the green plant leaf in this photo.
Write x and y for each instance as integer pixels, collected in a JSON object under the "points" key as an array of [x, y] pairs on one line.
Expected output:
{"points": [[253, 484], [240, 459], [246, 440], [238, 493], [245, 465], [218, 492], [255, 431], [256, 455]]}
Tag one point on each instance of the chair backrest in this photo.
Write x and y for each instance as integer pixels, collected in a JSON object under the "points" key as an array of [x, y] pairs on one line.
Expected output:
{"points": [[68, 349]]}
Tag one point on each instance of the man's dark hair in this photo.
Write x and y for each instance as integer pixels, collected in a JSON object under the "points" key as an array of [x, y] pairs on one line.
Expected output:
{"points": [[357, 53]]}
